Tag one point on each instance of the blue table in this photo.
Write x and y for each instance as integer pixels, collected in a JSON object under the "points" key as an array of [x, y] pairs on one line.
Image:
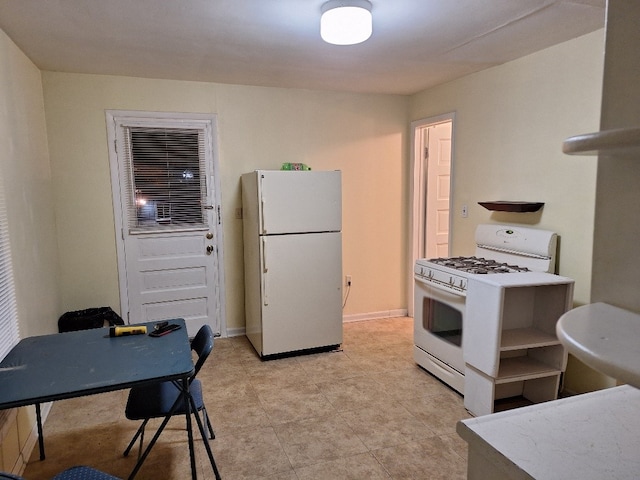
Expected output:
{"points": [[74, 364]]}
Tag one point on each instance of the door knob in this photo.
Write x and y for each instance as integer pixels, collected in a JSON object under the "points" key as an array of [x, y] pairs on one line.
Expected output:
{"points": [[209, 235], [209, 249]]}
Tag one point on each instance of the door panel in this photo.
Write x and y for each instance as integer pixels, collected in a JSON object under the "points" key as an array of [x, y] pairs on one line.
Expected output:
{"points": [[195, 311], [172, 277], [302, 302]]}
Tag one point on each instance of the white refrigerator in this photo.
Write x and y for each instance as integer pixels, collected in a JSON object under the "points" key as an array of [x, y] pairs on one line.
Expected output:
{"points": [[292, 224]]}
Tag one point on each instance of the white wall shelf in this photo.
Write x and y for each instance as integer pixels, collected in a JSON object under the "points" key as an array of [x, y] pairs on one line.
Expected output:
{"points": [[620, 140], [512, 206]]}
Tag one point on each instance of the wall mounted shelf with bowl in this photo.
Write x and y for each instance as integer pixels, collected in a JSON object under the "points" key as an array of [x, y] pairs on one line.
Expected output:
{"points": [[509, 206]]}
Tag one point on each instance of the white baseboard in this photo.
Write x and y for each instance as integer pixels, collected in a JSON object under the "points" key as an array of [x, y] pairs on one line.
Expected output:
{"points": [[236, 332], [359, 317]]}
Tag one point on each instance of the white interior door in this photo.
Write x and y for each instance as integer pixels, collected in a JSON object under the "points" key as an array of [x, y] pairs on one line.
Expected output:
{"points": [[432, 159], [438, 159], [167, 211]]}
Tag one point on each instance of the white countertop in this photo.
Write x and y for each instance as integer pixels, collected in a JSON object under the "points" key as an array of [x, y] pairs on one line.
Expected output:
{"points": [[594, 436], [606, 338], [521, 279]]}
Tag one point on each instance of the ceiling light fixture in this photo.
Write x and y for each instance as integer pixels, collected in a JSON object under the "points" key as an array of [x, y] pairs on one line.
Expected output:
{"points": [[346, 22]]}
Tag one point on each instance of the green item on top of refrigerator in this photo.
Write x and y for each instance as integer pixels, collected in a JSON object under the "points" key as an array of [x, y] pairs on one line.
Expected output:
{"points": [[294, 166]]}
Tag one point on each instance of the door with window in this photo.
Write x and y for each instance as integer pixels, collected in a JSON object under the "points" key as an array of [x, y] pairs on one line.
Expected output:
{"points": [[167, 210]]}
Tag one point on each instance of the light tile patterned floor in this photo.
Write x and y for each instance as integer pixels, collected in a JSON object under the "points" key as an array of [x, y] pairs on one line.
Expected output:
{"points": [[365, 412]]}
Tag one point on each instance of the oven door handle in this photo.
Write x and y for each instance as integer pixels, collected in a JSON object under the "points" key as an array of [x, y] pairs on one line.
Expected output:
{"points": [[441, 291]]}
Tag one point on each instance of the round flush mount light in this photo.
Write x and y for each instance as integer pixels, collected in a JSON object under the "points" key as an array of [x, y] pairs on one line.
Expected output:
{"points": [[346, 22]]}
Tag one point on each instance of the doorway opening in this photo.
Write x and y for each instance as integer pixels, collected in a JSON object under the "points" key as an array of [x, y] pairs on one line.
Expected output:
{"points": [[431, 155]]}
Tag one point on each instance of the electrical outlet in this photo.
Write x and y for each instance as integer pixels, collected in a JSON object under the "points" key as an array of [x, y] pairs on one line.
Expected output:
{"points": [[465, 211], [347, 280]]}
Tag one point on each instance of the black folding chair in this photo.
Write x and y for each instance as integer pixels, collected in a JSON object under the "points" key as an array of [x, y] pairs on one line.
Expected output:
{"points": [[161, 399]]}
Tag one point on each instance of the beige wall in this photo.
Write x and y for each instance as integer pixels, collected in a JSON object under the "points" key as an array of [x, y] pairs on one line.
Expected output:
{"points": [[26, 177], [510, 122], [616, 260], [26, 174], [362, 135], [509, 127]]}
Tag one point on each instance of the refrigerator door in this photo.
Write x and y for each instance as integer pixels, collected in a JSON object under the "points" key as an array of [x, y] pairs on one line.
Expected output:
{"points": [[301, 291], [299, 202]]}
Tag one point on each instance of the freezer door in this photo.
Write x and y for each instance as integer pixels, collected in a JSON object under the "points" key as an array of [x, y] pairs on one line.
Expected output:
{"points": [[299, 202], [301, 292]]}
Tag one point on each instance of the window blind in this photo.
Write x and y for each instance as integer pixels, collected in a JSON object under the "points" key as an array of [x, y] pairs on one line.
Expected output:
{"points": [[167, 178], [9, 335]]}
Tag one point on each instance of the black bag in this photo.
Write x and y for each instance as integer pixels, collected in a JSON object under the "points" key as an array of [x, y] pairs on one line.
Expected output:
{"points": [[89, 318]]}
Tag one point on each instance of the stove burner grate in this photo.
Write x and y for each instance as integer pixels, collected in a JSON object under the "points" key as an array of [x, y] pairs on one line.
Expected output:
{"points": [[477, 265]]}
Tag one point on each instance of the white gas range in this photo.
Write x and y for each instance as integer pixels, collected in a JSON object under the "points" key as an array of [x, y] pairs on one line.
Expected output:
{"points": [[441, 287]]}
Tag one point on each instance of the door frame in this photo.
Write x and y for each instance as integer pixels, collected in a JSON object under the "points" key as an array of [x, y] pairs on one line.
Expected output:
{"points": [[417, 205], [214, 187]]}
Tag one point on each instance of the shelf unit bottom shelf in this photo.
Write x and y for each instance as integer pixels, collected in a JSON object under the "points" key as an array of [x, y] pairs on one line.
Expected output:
{"points": [[519, 377], [518, 369]]}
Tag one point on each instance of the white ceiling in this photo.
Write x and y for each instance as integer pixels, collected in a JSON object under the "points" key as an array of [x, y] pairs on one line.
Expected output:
{"points": [[415, 44]]}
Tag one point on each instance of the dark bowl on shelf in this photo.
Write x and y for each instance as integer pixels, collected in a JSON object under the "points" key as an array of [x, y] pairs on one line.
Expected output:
{"points": [[508, 206]]}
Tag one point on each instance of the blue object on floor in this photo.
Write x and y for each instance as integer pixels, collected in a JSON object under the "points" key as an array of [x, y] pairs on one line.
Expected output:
{"points": [[9, 476], [83, 473]]}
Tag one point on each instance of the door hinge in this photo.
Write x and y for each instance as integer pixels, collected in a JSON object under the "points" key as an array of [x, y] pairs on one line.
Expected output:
{"points": [[426, 153], [219, 220], [122, 233], [115, 146]]}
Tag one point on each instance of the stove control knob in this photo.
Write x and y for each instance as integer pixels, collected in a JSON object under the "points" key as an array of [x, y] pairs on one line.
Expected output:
{"points": [[451, 282]]}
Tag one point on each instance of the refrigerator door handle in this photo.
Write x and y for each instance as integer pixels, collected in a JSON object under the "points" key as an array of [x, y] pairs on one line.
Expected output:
{"points": [[265, 269], [262, 205]]}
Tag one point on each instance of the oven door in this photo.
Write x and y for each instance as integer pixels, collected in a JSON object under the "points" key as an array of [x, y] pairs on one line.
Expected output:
{"points": [[438, 323]]}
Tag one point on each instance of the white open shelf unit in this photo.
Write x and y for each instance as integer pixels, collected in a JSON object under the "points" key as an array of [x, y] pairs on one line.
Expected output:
{"points": [[512, 348]]}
